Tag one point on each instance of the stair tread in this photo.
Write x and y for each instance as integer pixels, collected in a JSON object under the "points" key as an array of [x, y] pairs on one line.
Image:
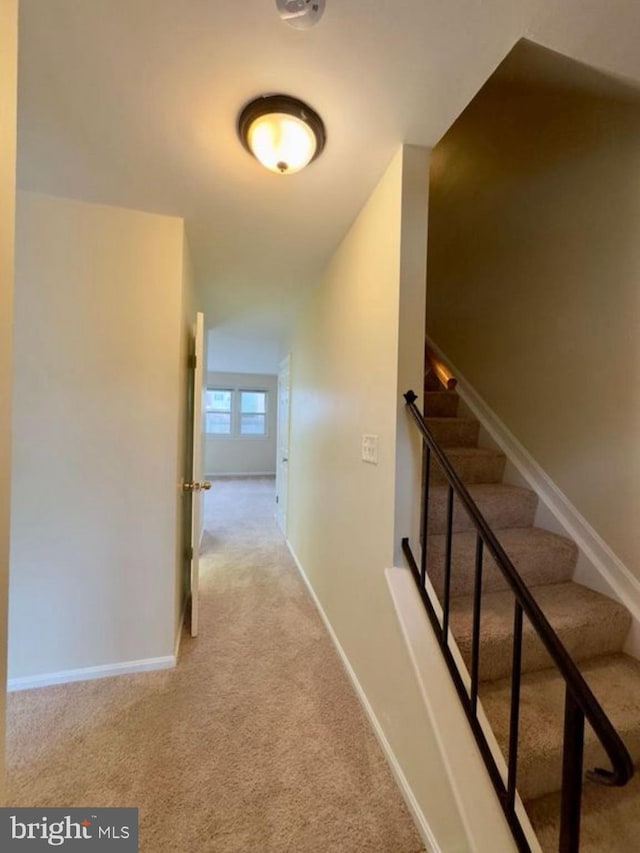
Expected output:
{"points": [[503, 505], [587, 622], [615, 681], [540, 556]]}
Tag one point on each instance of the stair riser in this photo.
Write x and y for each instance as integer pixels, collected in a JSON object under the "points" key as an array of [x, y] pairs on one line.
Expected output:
{"points": [[513, 510], [551, 565], [441, 404], [471, 469], [431, 382], [453, 432], [542, 774]]}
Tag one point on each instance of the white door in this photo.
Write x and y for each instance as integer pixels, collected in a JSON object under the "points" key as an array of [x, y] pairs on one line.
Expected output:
{"points": [[282, 462], [196, 486]]}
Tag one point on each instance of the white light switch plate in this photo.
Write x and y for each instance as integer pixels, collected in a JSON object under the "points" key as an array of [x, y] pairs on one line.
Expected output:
{"points": [[370, 449]]}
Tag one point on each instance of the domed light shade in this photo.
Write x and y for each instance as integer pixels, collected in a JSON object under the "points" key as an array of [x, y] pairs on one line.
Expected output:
{"points": [[283, 133]]}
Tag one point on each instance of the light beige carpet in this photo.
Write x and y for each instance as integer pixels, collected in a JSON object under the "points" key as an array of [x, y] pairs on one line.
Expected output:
{"points": [[256, 742]]}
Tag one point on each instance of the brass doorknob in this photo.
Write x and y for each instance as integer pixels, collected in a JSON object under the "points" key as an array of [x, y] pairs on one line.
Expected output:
{"points": [[205, 485]]}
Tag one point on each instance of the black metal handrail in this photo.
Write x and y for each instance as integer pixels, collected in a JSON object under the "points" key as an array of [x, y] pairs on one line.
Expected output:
{"points": [[580, 703]]}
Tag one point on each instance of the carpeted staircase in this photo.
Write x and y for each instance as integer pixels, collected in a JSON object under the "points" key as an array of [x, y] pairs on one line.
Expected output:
{"points": [[592, 627]]}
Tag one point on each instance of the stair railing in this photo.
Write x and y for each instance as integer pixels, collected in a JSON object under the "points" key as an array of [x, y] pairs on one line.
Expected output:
{"points": [[580, 703]]}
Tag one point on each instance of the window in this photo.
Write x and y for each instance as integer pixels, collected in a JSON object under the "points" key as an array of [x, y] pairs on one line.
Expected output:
{"points": [[253, 413], [218, 411], [236, 413]]}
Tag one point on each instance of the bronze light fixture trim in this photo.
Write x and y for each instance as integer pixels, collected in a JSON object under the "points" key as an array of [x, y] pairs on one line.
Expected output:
{"points": [[282, 132], [301, 14]]}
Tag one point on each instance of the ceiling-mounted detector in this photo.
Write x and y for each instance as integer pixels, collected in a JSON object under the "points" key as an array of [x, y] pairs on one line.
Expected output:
{"points": [[301, 14]]}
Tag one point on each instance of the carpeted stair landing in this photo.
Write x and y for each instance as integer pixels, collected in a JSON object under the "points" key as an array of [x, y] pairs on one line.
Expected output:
{"points": [[592, 627]]}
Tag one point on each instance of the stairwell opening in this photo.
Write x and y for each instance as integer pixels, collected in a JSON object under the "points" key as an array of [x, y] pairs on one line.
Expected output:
{"points": [[532, 270]]}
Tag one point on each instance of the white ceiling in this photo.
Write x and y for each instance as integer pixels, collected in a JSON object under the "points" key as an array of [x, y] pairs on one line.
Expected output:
{"points": [[134, 103]]}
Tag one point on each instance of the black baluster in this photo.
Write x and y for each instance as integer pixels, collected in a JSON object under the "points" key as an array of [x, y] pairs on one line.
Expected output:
{"points": [[572, 757], [426, 468], [515, 705], [447, 565], [475, 642]]}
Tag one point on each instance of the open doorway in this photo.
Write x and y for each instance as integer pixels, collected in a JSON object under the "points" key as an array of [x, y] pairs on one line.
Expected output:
{"points": [[240, 417], [240, 433]]}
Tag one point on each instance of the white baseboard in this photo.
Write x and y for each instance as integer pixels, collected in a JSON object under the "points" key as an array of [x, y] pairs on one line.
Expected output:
{"points": [[409, 797], [241, 475], [90, 672], [598, 566]]}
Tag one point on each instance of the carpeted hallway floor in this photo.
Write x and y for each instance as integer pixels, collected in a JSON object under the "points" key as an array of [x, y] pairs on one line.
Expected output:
{"points": [[256, 742]]}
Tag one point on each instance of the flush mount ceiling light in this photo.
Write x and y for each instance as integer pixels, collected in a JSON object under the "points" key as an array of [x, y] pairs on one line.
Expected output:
{"points": [[301, 14], [283, 133]]}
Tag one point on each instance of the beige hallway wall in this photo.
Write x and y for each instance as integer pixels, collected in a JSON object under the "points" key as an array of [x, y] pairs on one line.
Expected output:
{"points": [[347, 369], [533, 271], [97, 376], [8, 92]]}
